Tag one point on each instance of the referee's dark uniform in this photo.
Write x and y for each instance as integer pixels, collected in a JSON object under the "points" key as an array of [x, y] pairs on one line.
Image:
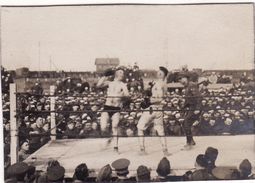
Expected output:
{"points": [[192, 102]]}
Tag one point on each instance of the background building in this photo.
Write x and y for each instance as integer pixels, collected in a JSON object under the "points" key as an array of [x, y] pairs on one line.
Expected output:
{"points": [[105, 63]]}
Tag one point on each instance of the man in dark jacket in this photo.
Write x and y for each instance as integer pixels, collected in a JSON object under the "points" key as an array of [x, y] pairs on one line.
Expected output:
{"points": [[192, 102]]}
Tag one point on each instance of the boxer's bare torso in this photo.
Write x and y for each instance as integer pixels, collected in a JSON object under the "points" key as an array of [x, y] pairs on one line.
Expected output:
{"points": [[158, 92], [116, 90]]}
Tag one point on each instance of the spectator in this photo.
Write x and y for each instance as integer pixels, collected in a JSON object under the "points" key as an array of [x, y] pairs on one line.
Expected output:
{"points": [[201, 172], [24, 151], [213, 78], [163, 170], [121, 168], [81, 173], [211, 155], [17, 172], [55, 174], [105, 174], [245, 169], [37, 89], [71, 131], [143, 174], [88, 131]]}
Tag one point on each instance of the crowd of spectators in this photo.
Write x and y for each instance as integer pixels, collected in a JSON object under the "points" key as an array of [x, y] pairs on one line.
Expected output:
{"points": [[78, 108], [205, 169]]}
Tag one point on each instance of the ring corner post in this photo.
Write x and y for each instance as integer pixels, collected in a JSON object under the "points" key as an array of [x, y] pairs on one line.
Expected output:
{"points": [[13, 124], [52, 113]]}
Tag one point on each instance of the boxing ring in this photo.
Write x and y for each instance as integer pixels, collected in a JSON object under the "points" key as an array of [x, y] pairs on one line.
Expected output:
{"points": [[93, 152], [96, 154]]}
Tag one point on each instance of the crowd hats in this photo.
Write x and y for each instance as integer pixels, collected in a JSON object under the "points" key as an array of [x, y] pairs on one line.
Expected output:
{"points": [[201, 160], [245, 167], [55, 173], [17, 169], [164, 167], [105, 174], [143, 172], [225, 173], [211, 153], [121, 166], [81, 172]]}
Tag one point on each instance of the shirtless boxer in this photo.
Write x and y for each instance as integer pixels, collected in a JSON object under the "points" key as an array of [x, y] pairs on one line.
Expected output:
{"points": [[158, 91], [117, 90]]}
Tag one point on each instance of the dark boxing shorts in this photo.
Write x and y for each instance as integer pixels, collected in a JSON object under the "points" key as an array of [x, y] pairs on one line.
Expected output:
{"points": [[114, 110]]}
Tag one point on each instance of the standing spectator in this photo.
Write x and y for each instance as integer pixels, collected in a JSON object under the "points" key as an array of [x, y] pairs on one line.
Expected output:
{"points": [[213, 78], [37, 89]]}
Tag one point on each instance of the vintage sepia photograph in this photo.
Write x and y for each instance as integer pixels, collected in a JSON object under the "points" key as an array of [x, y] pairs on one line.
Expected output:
{"points": [[127, 92]]}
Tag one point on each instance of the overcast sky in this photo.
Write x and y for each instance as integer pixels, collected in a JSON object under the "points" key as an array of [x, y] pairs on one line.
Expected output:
{"points": [[201, 36]]}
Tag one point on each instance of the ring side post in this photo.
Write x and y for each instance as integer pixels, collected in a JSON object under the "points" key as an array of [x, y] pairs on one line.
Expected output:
{"points": [[13, 124], [52, 114]]}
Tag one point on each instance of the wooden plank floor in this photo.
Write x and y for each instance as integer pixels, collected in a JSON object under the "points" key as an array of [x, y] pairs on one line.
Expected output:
{"points": [[93, 152]]}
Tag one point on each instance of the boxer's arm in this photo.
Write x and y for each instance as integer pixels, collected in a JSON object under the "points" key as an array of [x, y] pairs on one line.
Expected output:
{"points": [[125, 91], [103, 82]]}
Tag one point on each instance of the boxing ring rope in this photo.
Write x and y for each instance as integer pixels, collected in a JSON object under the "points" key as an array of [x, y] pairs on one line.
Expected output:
{"points": [[169, 97], [14, 112]]}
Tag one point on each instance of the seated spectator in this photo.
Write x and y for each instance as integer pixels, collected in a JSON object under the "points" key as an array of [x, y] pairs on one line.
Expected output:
{"points": [[105, 174], [211, 155], [24, 150], [121, 168], [35, 141], [81, 173], [204, 125], [227, 126], [17, 172], [71, 132], [46, 133], [55, 174], [32, 175], [88, 131], [163, 170], [245, 170], [201, 172], [143, 174]]}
